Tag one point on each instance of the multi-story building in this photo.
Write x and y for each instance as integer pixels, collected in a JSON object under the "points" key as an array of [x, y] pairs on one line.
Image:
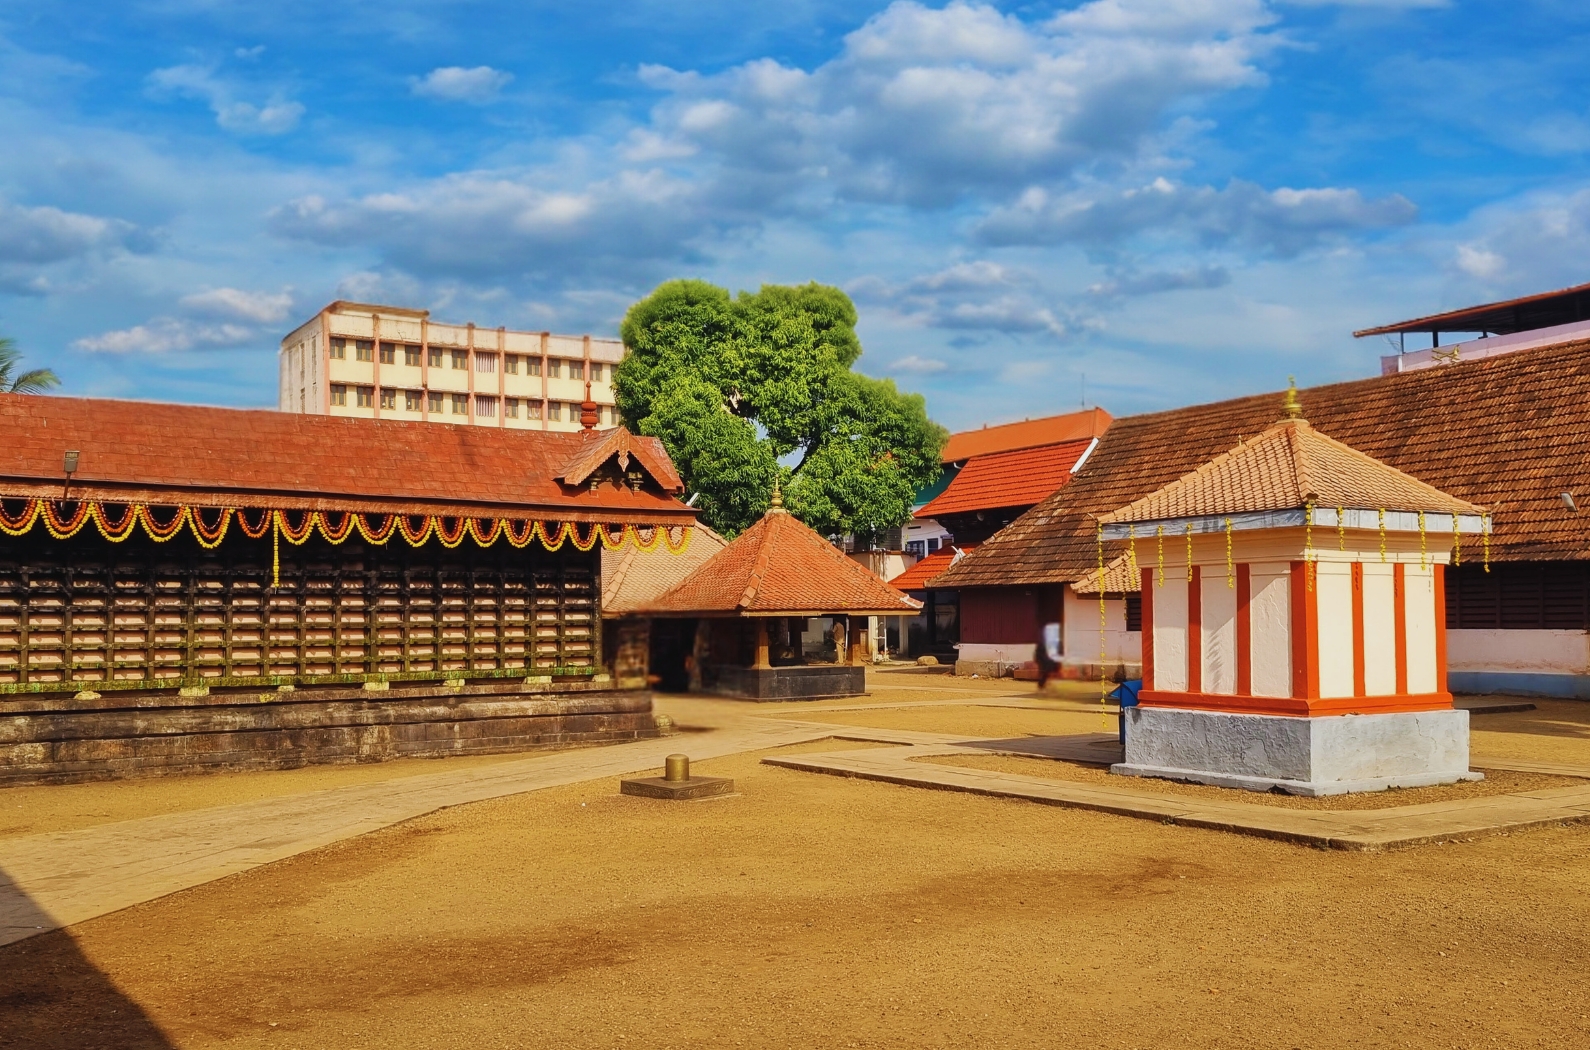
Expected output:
{"points": [[388, 362]]}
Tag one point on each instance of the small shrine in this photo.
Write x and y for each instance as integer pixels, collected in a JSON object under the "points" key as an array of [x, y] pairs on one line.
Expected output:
{"points": [[752, 603], [1294, 628]]}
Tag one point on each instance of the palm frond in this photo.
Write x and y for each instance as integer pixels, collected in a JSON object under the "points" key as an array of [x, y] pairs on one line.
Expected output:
{"points": [[36, 381]]}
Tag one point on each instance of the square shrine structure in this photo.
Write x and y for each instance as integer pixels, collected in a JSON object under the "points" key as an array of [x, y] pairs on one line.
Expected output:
{"points": [[1293, 620]]}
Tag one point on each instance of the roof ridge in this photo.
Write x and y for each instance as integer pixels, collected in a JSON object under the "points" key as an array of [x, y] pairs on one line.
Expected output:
{"points": [[1306, 489], [759, 565]]}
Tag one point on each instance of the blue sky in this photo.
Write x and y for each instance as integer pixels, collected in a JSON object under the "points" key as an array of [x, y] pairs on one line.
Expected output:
{"points": [[1182, 200]]}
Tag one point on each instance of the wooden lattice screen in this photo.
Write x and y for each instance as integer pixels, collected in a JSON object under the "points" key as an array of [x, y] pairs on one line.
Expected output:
{"points": [[85, 610]]}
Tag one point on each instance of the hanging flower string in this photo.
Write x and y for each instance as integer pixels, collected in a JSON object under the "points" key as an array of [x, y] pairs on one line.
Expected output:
{"points": [[1457, 540], [1131, 554], [1231, 566], [334, 527], [1189, 554], [1160, 536], [1341, 529], [1309, 556], [1485, 538], [1422, 550], [1104, 679], [1382, 513]]}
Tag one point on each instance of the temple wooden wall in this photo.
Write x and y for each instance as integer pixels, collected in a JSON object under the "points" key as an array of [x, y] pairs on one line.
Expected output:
{"points": [[85, 610]]}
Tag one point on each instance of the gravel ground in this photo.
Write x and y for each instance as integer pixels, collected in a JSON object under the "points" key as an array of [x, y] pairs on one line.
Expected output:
{"points": [[817, 911]]}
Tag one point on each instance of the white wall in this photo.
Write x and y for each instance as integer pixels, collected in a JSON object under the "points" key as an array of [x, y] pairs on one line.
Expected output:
{"points": [[1218, 613], [1333, 592], [1270, 628], [1536, 652], [1418, 592], [1170, 632], [1380, 629], [1080, 631]]}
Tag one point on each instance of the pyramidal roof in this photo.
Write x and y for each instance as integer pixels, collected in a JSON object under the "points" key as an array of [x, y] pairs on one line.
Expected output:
{"points": [[632, 578], [779, 566], [1289, 466]]}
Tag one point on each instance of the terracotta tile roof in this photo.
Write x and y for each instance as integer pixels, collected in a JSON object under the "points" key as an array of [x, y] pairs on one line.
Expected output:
{"points": [[916, 577], [599, 446], [159, 453], [1510, 433], [1030, 433], [780, 566], [1117, 578], [1007, 479], [631, 578], [1287, 467]]}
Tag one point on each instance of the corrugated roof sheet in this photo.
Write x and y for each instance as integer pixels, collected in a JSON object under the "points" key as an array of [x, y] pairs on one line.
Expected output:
{"points": [[1007, 479], [1030, 433], [778, 566], [158, 453], [1509, 433], [1288, 466]]}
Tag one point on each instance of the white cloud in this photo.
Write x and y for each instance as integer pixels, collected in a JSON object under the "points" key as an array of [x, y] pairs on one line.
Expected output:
{"points": [[978, 296], [925, 106], [165, 335], [1282, 222], [1152, 282], [915, 363], [237, 305], [456, 84], [47, 234], [275, 116]]}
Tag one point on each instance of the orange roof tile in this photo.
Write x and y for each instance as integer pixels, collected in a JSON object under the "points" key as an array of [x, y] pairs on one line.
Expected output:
{"points": [[1030, 433], [632, 578], [1287, 467], [1018, 478], [916, 577], [779, 566], [1510, 433], [158, 453]]}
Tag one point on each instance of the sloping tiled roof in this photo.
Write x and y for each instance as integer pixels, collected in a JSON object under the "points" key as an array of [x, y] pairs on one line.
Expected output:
{"points": [[1007, 479], [1030, 433], [632, 578], [157, 453], [779, 566], [599, 446], [1118, 578], [1509, 433], [916, 577], [1287, 467]]}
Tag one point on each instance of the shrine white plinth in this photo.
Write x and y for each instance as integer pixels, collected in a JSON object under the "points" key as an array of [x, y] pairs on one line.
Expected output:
{"points": [[1294, 621]]}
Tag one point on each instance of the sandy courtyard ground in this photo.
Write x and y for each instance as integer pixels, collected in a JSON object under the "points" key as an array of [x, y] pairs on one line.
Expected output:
{"points": [[818, 911]]}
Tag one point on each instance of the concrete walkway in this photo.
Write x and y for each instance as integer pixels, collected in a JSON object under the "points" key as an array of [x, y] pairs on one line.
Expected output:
{"points": [[1338, 829]]}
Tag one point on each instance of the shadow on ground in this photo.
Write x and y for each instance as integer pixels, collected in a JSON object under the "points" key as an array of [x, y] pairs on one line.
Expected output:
{"points": [[52, 996]]}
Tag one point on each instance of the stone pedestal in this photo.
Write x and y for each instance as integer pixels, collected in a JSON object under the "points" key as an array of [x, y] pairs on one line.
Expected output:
{"points": [[1322, 755]]}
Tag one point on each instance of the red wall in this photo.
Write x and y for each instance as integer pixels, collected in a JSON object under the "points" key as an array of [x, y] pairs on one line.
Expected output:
{"points": [[1008, 614]]}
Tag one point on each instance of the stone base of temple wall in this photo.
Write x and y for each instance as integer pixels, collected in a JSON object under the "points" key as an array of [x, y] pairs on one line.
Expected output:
{"points": [[806, 682], [1303, 756], [61, 739]]}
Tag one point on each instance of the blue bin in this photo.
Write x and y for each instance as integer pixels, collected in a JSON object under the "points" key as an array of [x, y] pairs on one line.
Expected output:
{"points": [[1125, 694]]}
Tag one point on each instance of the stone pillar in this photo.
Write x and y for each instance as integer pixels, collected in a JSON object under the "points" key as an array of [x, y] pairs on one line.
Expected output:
{"points": [[762, 662], [633, 651], [700, 651]]}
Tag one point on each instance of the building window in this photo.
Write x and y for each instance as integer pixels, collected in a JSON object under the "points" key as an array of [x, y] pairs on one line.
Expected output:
{"points": [[916, 548], [411, 356], [339, 394], [485, 362], [1134, 612], [388, 354], [436, 357], [363, 349], [412, 400], [596, 372], [339, 349], [532, 366], [366, 396], [554, 369], [576, 369], [460, 358], [532, 410], [486, 406], [1518, 596], [388, 397], [510, 364], [510, 407], [933, 544], [460, 404], [436, 402], [554, 410]]}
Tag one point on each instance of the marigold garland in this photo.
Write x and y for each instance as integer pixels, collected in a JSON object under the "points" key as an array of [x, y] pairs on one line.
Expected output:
{"points": [[1422, 552], [1485, 538], [1104, 678], [1231, 568], [1309, 557], [1382, 513], [1457, 540], [1341, 529], [1160, 536], [1131, 552]]}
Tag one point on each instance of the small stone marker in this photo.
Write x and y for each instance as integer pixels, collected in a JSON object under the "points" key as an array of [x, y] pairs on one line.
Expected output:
{"points": [[677, 783]]}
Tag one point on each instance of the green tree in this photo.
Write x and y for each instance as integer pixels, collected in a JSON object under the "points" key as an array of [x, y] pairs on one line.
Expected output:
{"points": [[751, 388], [36, 381]]}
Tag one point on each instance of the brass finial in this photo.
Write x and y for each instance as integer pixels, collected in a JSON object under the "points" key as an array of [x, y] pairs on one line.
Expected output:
{"points": [[1291, 407], [777, 506]]}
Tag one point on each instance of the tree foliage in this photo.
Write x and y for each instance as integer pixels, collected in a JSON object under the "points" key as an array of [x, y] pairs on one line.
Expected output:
{"points": [[751, 388], [34, 381]]}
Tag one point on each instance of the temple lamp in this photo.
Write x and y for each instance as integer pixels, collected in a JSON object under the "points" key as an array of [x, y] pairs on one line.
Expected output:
{"points": [[71, 468]]}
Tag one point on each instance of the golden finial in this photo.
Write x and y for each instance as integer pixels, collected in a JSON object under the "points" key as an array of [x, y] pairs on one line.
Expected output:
{"points": [[777, 506], [1291, 407]]}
